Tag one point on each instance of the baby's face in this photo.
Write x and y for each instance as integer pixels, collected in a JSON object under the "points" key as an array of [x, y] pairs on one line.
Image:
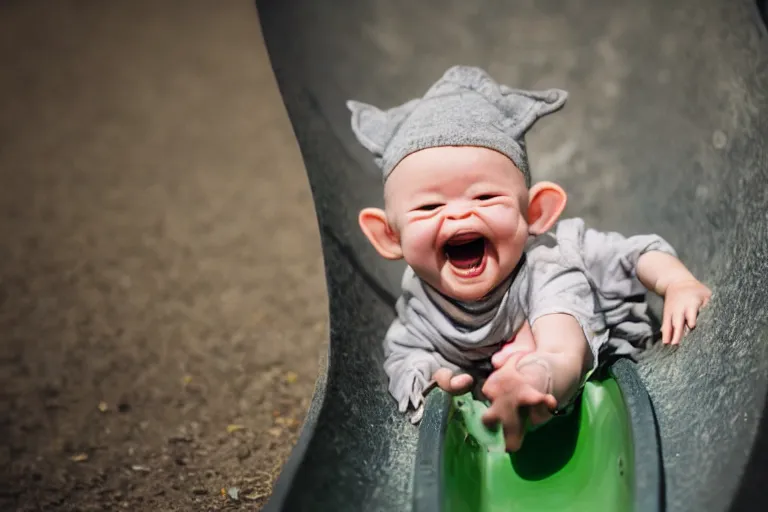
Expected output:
{"points": [[460, 216]]}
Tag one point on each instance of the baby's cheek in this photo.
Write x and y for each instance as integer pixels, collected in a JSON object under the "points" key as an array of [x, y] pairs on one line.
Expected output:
{"points": [[510, 235], [418, 244], [506, 223]]}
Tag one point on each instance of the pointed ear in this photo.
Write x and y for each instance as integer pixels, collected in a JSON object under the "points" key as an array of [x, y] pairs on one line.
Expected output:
{"points": [[524, 108], [546, 201], [374, 128], [373, 222]]}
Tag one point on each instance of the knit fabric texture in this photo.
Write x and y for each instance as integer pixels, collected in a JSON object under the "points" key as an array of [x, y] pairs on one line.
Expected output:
{"points": [[465, 107]]}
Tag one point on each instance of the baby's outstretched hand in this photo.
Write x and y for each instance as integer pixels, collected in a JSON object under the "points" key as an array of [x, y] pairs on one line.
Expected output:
{"points": [[682, 302], [510, 410], [452, 384], [516, 395]]}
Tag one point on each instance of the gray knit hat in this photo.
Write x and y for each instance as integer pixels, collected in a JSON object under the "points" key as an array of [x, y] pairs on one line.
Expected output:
{"points": [[466, 107]]}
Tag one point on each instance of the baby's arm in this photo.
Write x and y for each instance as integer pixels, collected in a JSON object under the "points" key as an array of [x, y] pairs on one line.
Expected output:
{"points": [[410, 361], [540, 380], [560, 305], [562, 348], [684, 295], [629, 266], [522, 342]]}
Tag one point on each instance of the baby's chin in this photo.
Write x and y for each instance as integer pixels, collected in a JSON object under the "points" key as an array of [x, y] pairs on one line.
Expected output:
{"points": [[471, 291], [464, 295]]}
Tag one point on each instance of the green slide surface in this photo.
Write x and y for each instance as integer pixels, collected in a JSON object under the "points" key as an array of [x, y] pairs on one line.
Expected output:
{"points": [[578, 462]]}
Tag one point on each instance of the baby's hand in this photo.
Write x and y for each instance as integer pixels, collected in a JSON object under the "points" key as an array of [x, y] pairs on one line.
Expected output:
{"points": [[452, 384], [682, 302], [515, 395]]}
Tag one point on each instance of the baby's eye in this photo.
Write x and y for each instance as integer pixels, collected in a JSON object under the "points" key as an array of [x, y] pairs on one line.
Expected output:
{"points": [[486, 197], [429, 207]]}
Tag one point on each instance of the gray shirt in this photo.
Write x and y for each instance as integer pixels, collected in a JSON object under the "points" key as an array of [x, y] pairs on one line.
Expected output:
{"points": [[585, 273]]}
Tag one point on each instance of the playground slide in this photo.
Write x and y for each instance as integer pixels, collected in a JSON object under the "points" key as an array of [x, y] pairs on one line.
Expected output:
{"points": [[665, 130]]}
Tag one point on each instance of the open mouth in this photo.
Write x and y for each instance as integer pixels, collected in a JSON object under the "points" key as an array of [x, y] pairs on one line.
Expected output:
{"points": [[466, 254]]}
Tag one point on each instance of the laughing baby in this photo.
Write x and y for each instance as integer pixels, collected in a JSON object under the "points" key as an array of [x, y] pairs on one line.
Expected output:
{"points": [[494, 284]]}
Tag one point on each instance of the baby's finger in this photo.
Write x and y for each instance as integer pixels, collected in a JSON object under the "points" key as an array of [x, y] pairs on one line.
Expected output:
{"points": [[678, 324], [491, 417], [499, 358], [506, 414], [508, 354], [532, 397], [461, 383], [542, 409], [443, 378], [453, 384], [513, 440], [666, 327], [690, 317], [551, 402], [539, 414]]}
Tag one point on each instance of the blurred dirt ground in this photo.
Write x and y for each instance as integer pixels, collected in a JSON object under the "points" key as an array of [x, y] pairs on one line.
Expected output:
{"points": [[162, 300]]}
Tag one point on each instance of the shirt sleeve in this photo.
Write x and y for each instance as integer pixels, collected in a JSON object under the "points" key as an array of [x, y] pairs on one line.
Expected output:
{"points": [[557, 287], [611, 259], [410, 361]]}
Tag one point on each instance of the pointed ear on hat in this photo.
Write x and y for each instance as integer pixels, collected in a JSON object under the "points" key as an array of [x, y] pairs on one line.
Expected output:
{"points": [[373, 127], [524, 108]]}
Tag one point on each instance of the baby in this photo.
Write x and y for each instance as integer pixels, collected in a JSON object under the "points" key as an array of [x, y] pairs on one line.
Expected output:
{"points": [[488, 288]]}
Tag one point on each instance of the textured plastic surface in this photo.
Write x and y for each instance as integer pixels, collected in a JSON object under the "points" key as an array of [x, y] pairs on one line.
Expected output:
{"points": [[665, 131], [579, 462], [436, 490]]}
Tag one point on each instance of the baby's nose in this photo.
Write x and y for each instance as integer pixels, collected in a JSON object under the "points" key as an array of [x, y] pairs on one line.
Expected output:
{"points": [[458, 210]]}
